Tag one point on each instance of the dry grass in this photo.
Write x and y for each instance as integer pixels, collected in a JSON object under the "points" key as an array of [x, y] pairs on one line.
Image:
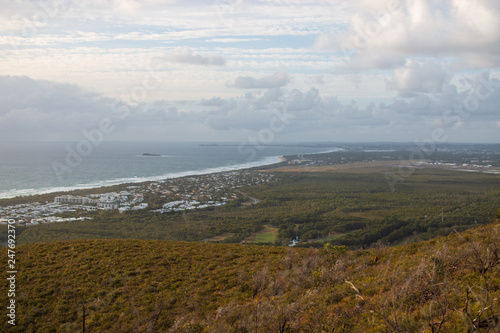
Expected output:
{"points": [[219, 238], [378, 166], [358, 167], [449, 284]]}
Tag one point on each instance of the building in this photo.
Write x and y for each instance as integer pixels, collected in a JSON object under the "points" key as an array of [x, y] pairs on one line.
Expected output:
{"points": [[74, 200], [108, 205], [140, 206], [124, 209]]}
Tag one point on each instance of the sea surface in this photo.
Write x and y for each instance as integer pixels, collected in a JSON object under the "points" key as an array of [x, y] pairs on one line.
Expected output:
{"points": [[45, 167]]}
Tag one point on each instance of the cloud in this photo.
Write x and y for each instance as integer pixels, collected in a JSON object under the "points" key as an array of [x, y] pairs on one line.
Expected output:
{"points": [[276, 80], [233, 40], [475, 102], [185, 55], [39, 110], [214, 101], [419, 77], [299, 101], [46, 96], [466, 30], [307, 110]]}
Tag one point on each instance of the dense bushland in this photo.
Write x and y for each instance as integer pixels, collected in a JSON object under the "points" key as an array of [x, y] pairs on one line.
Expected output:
{"points": [[448, 284]]}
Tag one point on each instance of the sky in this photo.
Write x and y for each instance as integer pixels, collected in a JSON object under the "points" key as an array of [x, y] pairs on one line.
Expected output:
{"points": [[257, 72]]}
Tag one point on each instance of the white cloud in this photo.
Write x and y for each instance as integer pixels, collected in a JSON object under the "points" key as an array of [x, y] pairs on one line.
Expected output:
{"points": [[462, 29], [185, 55], [416, 77], [233, 40], [275, 80]]}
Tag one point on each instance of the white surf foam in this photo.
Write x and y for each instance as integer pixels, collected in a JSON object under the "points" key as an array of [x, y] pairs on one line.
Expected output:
{"points": [[104, 183]]}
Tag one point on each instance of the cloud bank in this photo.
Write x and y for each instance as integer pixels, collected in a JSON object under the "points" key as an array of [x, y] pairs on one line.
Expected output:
{"points": [[38, 110], [275, 80], [383, 33]]}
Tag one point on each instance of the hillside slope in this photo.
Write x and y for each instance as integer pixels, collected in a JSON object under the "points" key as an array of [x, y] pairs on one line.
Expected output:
{"points": [[449, 284]]}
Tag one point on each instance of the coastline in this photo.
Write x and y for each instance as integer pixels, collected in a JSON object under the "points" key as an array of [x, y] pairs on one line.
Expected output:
{"points": [[269, 162]]}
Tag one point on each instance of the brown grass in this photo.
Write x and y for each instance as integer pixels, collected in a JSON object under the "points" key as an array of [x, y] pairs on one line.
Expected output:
{"points": [[219, 238], [358, 167]]}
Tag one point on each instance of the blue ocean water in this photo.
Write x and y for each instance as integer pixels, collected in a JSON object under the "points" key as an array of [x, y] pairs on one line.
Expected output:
{"points": [[44, 167]]}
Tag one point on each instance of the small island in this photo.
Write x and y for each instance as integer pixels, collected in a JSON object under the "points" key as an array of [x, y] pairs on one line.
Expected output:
{"points": [[150, 154]]}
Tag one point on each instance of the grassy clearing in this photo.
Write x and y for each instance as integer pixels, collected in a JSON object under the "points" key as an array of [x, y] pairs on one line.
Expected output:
{"points": [[357, 167], [219, 238], [268, 235], [330, 238]]}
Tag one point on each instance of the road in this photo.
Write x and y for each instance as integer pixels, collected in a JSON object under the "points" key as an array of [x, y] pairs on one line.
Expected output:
{"points": [[253, 200]]}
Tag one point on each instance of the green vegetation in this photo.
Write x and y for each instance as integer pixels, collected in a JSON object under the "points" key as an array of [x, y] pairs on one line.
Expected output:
{"points": [[268, 235], [448, 284], [353, 209]]}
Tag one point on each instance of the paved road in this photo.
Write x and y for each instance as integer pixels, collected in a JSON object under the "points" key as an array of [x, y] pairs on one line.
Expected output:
{"points": [[252, 199]]}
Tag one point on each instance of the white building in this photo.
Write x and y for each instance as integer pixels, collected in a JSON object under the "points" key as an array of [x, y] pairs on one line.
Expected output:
{"points": [[123, 209], [108, 205], [73, 200], [140, 206]]}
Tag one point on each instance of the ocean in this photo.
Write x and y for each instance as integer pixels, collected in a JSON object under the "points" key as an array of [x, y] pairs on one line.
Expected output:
{"points": [[45, 167]]}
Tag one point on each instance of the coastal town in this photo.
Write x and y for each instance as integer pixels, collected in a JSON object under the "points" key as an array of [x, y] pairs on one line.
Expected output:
{"points": [[222, 188], [162, 196]]}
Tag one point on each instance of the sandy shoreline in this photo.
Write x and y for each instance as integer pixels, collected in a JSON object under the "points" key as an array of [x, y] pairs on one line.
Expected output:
{"points": [[140, 180]]}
